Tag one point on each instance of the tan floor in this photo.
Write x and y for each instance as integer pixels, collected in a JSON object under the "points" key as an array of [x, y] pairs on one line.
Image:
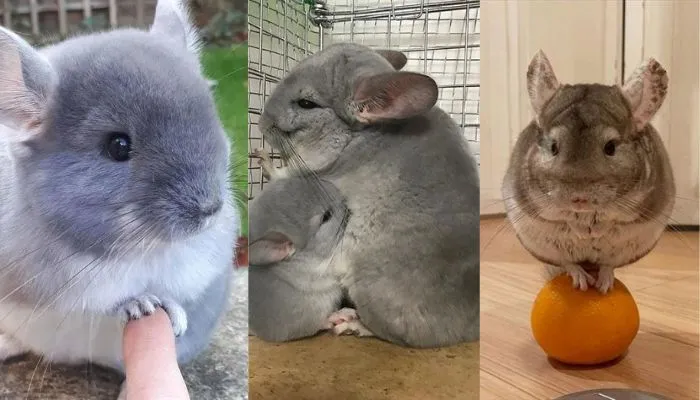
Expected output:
{"points": [[662, 359], [349, 368]]}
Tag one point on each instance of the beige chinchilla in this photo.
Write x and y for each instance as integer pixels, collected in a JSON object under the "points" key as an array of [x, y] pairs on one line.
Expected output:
{"points": [[589, 187]]}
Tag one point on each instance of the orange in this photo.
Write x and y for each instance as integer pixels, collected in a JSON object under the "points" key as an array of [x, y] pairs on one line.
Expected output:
{"points": [[584, 328]]}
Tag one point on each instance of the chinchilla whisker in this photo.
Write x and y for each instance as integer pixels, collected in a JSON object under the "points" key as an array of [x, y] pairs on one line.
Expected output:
{"points": [[491, 204], [101, 264], [47, 365], [518, 213], [506, 224], [72, 281], [31, 379], [234, 166], [693, 199], [114, 246], [8, 268], [636, 209], [240, 198], [339, 236], [233, 72], [117, 203], [152, 245], [30, 280], [298, 163]]}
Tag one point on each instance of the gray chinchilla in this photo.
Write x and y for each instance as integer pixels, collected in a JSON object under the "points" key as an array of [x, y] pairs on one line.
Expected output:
{"points": [[409, 257], [114, 193], [589, 186], [296, 225]]}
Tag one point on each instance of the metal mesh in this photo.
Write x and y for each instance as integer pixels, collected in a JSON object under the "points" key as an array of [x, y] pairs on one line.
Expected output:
{"points": [[279, 36], [440, 39]]}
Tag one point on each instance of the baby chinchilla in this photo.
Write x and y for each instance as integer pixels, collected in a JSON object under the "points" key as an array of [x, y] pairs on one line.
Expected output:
{"points": [[296, 226], [409, 256], [589, 185], [114, 193]]}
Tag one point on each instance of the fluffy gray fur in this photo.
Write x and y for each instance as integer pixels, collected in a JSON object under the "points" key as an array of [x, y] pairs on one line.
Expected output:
{"points": [[86, 241], [575, 204], [409, 256]]}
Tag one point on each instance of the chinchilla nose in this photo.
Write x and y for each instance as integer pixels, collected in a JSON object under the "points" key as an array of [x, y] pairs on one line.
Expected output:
{"points": [[579, 200], [209, 208]]}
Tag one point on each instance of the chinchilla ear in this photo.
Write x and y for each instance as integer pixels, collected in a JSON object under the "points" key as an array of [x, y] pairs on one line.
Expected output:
{"points": [[271, 248], [541, 82], [396, 58], [172, 20], [27, 82], [393, 96], [646, 90]]}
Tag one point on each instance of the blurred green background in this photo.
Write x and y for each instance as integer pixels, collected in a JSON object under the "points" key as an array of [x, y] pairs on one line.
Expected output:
{"points": [[229, 67]]}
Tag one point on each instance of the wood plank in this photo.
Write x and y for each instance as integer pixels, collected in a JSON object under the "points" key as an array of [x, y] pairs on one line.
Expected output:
{"points": [[87, 8], [7, 14], [34, 16], [113, 13], [140, 12], [62, 17]]}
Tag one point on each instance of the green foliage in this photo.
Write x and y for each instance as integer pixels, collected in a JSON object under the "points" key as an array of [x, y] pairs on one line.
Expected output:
{"points": [[228, 66], [224, 26]]}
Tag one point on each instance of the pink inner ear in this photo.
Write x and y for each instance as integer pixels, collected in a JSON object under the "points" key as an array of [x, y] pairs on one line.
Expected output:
{"points": [[272, 248], [646, 90], [393, 96]]}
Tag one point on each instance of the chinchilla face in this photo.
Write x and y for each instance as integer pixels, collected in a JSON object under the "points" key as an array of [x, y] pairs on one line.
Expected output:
{"points": [[592, 146], [316, 109], [294, 215], [124, 144]]}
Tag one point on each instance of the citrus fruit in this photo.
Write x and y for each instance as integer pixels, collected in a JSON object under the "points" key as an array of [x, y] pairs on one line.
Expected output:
{"points": [[584, 328]]}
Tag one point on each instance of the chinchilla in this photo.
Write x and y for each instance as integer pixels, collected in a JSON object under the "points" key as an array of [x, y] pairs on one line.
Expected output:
{"points": [[114, 197], [409, 256], [589, 187], [296, 227]]}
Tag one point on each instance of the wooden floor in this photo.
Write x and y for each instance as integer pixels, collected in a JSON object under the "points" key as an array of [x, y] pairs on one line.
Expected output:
{"points": [[663, 358], [349, 368]]}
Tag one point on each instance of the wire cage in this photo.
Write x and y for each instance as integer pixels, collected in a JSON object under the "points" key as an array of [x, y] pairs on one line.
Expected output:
{"points": [[439, 38]]}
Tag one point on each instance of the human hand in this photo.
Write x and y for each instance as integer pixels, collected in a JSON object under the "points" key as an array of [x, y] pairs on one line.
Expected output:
{"points": [[150, 360]]}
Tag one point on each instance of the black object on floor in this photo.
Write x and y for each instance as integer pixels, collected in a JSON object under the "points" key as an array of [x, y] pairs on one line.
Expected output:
{"points": [[613, 394]]}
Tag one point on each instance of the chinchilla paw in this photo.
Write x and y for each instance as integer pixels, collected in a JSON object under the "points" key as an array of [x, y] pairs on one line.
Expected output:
{"points": [[178, 316], [137, 307], [343, 315], [145, 305], [354, 327], [581, 278], [606, 278], [346, 322]]}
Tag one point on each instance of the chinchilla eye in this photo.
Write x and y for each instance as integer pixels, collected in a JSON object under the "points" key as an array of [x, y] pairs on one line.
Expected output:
{"points": [[554, 148], [609, 148], [118, 147], [326, 216], [307, 104]]}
